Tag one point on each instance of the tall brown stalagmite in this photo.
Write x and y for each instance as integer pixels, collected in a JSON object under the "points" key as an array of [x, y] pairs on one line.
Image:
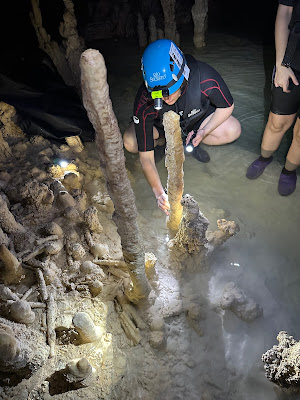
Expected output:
{"points": [[199, 14], [171, 33], [174, 163], [97, 102]]}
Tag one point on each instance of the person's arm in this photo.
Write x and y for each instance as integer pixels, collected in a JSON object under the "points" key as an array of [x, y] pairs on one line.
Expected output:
{"points": [[283, 74], [220, 115], [149, 168]]}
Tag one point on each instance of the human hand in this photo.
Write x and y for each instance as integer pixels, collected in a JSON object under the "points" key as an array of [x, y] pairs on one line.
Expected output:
{"points": [[282, 77], [163, 203], [197, 139]]}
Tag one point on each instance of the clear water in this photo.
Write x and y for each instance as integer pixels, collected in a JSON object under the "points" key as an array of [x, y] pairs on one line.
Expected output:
{"points": [[263, 258]]}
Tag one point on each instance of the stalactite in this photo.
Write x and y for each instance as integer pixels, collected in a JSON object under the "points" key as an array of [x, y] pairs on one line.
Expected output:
{"points": [[109, 142], [174, 163]]}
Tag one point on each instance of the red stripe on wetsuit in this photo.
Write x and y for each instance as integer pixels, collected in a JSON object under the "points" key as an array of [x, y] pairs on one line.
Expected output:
{"points": [[214, 87]]}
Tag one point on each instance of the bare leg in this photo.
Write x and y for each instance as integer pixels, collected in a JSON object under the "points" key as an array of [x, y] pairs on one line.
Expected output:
{"points": [[293, 156], [276, 127], [130, 142], [227, 132]]}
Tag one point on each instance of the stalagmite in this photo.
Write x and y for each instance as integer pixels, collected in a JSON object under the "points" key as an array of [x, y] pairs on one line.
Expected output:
{"points": [[141, 32], [109, 141], [50, 46], [88, 331], [5, 151], [90, 217], [51, 314], [7, 220], [8, 127], [75, 142], [9, 346], [174, 163], [80, 373], [191, 236], [152, 29], [171, 33], [199, 14], [13, 269], [73, 43], [20, 311]]}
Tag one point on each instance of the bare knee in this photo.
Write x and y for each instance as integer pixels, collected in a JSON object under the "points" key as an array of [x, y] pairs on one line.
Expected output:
{"points": [[233, 131], [296, 136], [278, 124]]}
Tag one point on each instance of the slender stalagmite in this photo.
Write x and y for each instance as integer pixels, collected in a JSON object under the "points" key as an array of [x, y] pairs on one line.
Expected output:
{"points": [[199, 14], [171, 33], [96, 100], [174, 163]]}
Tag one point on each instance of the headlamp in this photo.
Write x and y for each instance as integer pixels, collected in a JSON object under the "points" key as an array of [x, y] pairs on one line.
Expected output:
{"points": [[157, 96]]}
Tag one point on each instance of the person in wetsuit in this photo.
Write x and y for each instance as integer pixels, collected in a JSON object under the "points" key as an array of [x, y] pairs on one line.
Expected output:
{"points": [[285, 101], [193, 89]]}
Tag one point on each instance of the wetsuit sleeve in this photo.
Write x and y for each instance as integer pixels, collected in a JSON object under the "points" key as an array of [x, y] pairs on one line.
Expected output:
{"points": [[143, 118], [214, 87]]}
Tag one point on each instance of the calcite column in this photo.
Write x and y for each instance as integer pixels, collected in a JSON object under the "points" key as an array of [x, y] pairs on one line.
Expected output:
{"points": [[168, 7], [199, 14], [174, 163], [141, 32], [96, 100], [50, 46], [73, 43]]}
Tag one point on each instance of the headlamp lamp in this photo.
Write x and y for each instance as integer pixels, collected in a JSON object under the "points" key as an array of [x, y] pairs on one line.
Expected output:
{"points": [[157, 96]]}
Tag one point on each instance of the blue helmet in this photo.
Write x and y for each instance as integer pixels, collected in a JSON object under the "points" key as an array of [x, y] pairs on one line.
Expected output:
{"points": [[164, 68]]}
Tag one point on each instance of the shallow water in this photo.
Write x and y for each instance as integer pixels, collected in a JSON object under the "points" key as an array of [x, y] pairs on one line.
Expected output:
{"points": [[263, 258]]}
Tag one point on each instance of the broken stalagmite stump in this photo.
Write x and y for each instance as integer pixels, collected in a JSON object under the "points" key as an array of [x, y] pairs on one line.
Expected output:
{"points": [[174, 163], [191, 236], [97, 102]]}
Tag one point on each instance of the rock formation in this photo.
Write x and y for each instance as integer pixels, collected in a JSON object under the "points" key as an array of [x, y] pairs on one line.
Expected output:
{"points": [[174, 163], [110, 145], [199, 14], [282, 362], [234, 299]]}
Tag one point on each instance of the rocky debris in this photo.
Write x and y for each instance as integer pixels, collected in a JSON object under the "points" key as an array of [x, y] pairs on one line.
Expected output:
{"points": [[234, 299], [282, 362]]}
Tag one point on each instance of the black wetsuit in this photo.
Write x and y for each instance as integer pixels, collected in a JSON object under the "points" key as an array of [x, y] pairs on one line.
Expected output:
{"points": [[289, 103], [205, 91]]}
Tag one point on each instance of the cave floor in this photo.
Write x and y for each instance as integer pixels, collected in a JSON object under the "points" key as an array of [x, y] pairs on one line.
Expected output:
{"points": [[263, 258]]}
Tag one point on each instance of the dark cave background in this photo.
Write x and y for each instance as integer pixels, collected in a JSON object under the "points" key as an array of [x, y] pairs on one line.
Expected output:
{"points": [[20, 52], [22, 60]]}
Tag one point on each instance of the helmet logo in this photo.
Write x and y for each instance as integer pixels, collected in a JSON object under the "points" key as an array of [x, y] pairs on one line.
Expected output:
{"points": [[157, 77], [135, 119]]}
